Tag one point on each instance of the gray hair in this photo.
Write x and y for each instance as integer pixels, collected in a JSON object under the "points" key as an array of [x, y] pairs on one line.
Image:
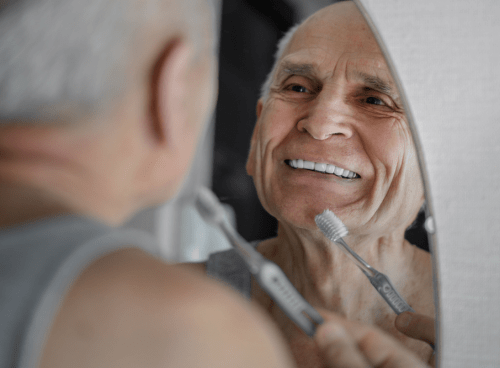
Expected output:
{"points": [[71, 56], [282, 45]]}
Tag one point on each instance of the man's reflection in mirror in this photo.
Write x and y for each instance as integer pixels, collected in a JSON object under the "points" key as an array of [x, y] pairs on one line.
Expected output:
{"points": [[331, 133]]}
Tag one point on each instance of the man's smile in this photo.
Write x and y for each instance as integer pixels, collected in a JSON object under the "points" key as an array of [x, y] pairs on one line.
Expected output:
{"points": [[322, 168]]}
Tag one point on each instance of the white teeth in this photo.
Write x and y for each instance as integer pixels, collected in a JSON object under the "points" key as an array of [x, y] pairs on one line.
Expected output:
{"points": [[309, 165], [346, 173], [320, 167]]}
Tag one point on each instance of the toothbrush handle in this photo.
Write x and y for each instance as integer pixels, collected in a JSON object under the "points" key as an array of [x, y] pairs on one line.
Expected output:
{"points": [[385, 288], [274, 281]]}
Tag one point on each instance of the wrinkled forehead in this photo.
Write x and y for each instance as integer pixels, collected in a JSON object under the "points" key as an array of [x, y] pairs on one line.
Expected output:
{"points": [[329, 41], [321, 60], [342, 23]]}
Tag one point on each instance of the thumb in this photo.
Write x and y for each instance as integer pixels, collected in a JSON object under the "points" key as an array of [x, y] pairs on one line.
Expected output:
{"points": [[416, 326]]}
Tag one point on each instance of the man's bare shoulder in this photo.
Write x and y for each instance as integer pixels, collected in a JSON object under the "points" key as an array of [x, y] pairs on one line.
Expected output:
{"points": [[419, 270], [129, 309], [422, 265], [198, 267]]}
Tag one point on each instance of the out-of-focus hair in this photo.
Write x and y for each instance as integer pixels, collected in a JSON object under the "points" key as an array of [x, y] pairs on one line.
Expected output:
{"points": [[62, 58]]}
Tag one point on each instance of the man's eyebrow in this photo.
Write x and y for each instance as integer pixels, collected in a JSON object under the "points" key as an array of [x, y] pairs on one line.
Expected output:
{"points": [[289, 68], [377, 84]]}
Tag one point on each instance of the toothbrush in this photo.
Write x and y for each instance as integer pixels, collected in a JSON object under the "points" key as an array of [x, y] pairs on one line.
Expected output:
{"points": [[333, 228], [269, 276]]}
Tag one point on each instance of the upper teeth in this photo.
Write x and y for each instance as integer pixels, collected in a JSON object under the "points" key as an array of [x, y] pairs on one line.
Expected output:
{"points": [[320, 167]]}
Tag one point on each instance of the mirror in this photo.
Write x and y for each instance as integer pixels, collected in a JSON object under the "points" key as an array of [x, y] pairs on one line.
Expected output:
{"points": [[384, 192]]}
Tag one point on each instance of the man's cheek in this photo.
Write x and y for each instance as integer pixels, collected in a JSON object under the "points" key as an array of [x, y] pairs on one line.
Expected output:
{"points": [[389, 148]]}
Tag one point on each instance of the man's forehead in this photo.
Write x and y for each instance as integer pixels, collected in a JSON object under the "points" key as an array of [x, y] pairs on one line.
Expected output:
{"points": [[325, 57], [370, 68], [351, 64], [335, 33]]}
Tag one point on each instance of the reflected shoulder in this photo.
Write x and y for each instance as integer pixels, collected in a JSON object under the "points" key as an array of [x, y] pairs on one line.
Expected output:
{"points": [[421, 271]]}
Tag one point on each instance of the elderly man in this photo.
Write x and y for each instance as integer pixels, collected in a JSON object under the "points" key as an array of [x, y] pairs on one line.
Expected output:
{"points": [[331, 133], [101, 106]]}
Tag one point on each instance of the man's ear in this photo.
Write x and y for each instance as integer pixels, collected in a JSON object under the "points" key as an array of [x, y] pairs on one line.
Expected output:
{"points": [[170, 91], [253, 142], [260, 104]]}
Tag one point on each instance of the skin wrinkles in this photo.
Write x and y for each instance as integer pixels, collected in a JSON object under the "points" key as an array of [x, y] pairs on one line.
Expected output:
{"points": [[333, 101], [355, 87], [289, 69], [369, 81]]}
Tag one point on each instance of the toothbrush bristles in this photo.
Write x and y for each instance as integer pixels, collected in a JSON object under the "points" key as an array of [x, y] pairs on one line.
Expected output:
{"points": [[331, 225]]}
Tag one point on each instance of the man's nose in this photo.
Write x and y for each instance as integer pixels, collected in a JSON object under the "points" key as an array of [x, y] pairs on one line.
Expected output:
{"points": [[329, 116]]}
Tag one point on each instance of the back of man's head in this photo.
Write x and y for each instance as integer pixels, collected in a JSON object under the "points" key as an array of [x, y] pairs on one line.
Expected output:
{"points": [[60, 59], [101, 101]]}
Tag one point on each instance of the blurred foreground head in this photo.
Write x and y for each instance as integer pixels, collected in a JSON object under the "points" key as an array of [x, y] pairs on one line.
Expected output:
{"points": [[102, 102]]}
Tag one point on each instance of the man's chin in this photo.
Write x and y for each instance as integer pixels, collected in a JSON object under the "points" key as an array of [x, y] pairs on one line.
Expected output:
{"points": [[300, 224], [298, 217], [300, 214]]}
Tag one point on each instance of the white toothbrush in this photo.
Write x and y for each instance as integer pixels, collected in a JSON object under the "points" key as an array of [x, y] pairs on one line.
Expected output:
{"points": [[269, 276], [334, 229]]}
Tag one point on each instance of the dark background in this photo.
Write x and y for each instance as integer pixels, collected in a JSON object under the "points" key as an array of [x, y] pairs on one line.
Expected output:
{"points": [[250, 31]]}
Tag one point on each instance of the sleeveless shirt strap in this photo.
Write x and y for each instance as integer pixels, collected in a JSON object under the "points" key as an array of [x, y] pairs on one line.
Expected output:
{"points": [[228, 267]]}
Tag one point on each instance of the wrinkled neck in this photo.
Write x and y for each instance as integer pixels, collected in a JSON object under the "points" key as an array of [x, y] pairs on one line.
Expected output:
{"points": [[321, 271]]}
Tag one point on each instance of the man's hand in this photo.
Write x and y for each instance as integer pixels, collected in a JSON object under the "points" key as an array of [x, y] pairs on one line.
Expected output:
{"points": [[417, 326], [346, 343]]}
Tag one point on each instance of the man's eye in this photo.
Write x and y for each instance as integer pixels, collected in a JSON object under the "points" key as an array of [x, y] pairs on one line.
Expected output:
{"points": [[298, 88], [374, 101]]}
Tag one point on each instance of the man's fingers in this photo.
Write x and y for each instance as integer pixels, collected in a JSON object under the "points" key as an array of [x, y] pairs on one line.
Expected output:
{"points": [[416, 326], [351, 344], [383, 351], [338, 348]]}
